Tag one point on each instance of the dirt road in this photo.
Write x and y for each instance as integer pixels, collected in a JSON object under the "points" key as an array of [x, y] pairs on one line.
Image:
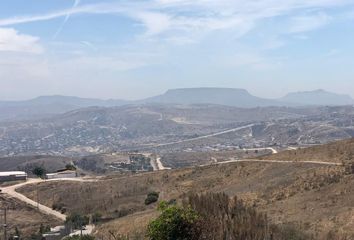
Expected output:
{"points": [[160, 165], [202, 137], [280, 161], [11, 191]]}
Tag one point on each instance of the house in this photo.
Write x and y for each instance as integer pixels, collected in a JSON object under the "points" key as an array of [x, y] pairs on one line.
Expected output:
{"points": [[62, 174], [13, 176]]}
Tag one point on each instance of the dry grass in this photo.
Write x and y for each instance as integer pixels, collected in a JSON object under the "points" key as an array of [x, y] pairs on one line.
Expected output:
{"points": [[316, 198], [341, 151], [132, 226], [26, 218], [187, 159]]}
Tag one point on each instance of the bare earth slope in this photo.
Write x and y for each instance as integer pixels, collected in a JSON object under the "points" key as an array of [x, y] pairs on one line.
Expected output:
{"points": [[25, 217], [340, 151], [317, 198]]}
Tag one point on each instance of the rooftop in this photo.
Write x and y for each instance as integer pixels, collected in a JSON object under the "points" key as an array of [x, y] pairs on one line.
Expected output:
{"points": [[12, 173]]}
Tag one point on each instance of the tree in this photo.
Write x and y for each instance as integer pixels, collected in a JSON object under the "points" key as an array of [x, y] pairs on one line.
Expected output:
{"points": [[39, 171], [43, 229], [77, 221], [216, 216], [97, 217], [174, 223]]}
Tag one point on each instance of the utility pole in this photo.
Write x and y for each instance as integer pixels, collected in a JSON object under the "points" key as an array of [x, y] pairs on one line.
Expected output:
{"points": [[5, 225], [37, 199], [80, 227]]}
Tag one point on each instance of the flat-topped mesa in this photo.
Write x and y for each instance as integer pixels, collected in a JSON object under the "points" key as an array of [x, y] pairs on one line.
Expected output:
{"points": [[221, 96]]}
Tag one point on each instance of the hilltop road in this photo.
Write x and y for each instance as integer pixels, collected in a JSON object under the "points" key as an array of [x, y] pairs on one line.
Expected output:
{"points": [[279, 161], [11, 191]]}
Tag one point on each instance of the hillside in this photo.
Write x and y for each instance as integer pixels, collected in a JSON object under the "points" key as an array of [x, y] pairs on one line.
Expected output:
{"points": [[26, 218], [315, 198], [340, 151], [25, 163], [318, 97], [156, 127], [222, 96], [46, 106]]}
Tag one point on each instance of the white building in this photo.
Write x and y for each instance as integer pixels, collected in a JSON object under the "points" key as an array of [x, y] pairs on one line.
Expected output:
{"points": [[63, 174], [13, 176]]}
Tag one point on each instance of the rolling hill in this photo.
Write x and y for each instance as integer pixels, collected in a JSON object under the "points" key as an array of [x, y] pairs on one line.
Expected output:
{"points": [[221, 96], [318, 97], [315, 198], [45, 106], [338, 152]]}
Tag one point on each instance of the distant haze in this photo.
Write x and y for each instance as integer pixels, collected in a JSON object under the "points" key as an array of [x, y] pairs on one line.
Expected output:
{"points": [[135, 49], [48, 105]]}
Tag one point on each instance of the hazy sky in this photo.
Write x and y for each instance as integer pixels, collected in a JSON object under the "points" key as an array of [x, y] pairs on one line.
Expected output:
{"points": [[134, 48]]}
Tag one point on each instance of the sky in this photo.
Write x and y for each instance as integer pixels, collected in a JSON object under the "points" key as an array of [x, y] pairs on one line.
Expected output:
{"points": [[131, 49]]}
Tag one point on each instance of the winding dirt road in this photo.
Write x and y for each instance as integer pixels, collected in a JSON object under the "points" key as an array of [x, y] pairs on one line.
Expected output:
{"points": [[11, 191], [279, 161]]}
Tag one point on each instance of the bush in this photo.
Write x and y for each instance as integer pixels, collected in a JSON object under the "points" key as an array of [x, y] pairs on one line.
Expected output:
{"points": [[216, 216], [152, 197], [77, 221], [97, 217], [57, 206], [174, 223]]}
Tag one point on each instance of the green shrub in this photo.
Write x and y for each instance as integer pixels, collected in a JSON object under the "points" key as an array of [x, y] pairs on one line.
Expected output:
{"points": [[216, 216], [97, 217], [174, 223], [152, 197], [77, 221]]}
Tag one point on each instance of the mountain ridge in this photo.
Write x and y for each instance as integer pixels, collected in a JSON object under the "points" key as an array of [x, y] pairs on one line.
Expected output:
{"points": [[234, 97], [317, 97]]}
